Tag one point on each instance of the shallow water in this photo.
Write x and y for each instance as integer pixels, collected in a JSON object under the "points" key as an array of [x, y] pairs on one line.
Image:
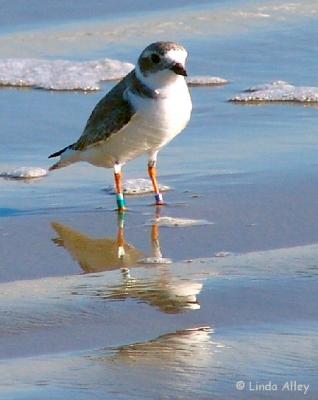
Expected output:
{"points": [[227, 295], [231, 133], [235, 298]]}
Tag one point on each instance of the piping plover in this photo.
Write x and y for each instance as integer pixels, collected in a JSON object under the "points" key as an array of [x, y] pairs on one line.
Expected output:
{"points": [[141, 114]]}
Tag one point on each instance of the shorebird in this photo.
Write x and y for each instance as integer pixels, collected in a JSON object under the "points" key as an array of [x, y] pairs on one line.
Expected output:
{"points": [[141, 114]]}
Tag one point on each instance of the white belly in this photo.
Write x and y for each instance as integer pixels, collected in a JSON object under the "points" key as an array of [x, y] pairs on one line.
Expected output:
{"points": [[155, 123]]}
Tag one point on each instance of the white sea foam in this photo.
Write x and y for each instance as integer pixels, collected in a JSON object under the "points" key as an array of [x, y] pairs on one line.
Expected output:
{"points": [[137, 186], [155, 260], [171, 222], [205, 80], [222, 254], [23, 173], [61, 74], [278, 91], [71, 75]]}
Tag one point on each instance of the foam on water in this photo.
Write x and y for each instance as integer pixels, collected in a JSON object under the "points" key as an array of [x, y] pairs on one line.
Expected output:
{"points": [[137, 186], [278, 91], [206, 80], [222, 254], [71, 75], [23, 173], [171, 222], [155, 260], [61, 74]]}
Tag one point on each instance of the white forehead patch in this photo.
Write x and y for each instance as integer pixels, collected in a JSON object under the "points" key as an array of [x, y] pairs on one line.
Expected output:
{"points": [[178, 55]]}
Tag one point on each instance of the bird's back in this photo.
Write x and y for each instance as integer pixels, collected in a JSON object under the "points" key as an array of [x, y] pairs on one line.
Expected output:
{"points": [[110, 114]]}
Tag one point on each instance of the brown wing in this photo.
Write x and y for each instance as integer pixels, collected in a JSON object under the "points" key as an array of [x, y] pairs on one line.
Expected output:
{"points": [[109, 116]]}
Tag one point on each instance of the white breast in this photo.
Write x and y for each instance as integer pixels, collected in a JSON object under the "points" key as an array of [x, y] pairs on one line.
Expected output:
{"points": [[154, 124], [161, 119]]}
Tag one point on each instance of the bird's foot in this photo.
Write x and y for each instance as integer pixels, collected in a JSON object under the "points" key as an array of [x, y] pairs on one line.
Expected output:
{"points": [[160, 203], [159, 200]]}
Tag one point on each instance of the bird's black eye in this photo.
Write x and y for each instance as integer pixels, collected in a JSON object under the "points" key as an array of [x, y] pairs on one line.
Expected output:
{"points": [[155, 58]]}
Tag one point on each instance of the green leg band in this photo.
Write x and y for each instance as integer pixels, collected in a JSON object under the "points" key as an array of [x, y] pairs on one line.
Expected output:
{"points": [[120, 201]]}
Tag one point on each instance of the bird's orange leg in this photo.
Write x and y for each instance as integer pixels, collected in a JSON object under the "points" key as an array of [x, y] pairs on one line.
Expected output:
{"points": [[155, 236], [119, 188], [152, 171]]}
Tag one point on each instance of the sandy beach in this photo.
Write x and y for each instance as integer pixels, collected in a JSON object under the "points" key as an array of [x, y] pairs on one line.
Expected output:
{"points": [[256, 284]]}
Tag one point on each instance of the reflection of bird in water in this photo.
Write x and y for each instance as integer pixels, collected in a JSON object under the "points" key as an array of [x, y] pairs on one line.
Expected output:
{"points": [[96, 255], [179, 349], [179, 365], [169, 294]]}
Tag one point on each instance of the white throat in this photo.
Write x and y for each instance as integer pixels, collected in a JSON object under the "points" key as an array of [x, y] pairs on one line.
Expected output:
{"points": [[160, 81]]}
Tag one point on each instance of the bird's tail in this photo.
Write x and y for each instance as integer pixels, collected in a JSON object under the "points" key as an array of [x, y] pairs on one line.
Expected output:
{"points": [[66, 157]]}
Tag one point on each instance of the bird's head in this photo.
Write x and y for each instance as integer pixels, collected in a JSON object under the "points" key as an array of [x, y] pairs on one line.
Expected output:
{"points": [[161, 64]]}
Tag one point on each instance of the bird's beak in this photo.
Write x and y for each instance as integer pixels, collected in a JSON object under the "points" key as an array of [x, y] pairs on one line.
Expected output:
{"points": [[179, 69]]}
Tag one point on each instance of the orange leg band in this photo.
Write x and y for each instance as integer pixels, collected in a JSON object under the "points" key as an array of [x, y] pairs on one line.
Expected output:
{"points": [[152, 171]]}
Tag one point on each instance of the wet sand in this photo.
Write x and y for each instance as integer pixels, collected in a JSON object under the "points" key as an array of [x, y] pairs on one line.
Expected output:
{"points": [[91, 324], [244, 217]]}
